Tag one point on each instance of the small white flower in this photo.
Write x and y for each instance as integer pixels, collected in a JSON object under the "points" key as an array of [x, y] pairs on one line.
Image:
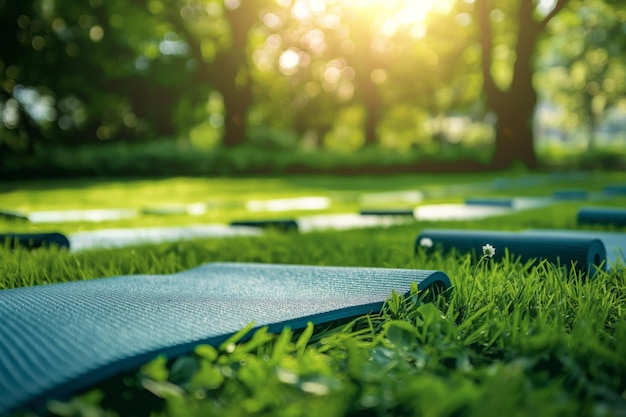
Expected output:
{"points": [[426, 242], [489, 251]]}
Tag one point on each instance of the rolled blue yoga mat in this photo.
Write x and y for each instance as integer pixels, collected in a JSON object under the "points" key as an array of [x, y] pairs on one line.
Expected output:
{"points": [[486, 201], [615, 189], [570, 195], [602, 215], [58, 339], [614, 243], [34, 240], [284, 225], [587, 253], [386, 212], [12, 215]]}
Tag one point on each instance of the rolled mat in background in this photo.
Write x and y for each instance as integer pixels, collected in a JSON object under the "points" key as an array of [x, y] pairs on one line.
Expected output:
{"points": [[587, 253], [615, 189], [570, 195], [487, 201], [34, 240], [601, 215], [61, 338], [386, 212], [284, 225], [12, 215]]}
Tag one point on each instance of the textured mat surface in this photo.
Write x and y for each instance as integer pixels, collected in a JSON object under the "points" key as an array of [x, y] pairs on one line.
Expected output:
{"points": [[60, 338], [587, 252]]}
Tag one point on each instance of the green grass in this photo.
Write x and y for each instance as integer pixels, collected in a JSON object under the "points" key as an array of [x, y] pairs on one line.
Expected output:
{"points": [[508, 339]]}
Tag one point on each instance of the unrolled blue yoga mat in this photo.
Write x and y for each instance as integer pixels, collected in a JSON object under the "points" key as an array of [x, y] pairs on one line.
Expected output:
{"points": [[61, 338]]}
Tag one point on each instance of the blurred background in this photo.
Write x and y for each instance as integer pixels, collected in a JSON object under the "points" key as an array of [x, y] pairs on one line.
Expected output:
{"points": [[215, 87]]}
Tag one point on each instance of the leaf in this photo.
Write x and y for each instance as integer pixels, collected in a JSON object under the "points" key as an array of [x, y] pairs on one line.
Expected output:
{"points": [[226, 346], [281, 347], [156, 369], [207, 352], [304, 338], [162, 389], [209, 376], [400, 333], [183, 369]]}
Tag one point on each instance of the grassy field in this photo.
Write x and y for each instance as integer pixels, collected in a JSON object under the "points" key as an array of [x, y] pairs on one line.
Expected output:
{"points": [[508, 339], [225, 198]]}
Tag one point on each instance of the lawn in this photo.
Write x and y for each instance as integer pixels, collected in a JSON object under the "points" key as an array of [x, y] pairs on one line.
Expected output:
{"points": [[508, 339]]}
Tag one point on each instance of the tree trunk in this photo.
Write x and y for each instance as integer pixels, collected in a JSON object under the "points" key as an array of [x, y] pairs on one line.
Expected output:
{"points": [[514, 107], [514, 141], [236, 94], [367, 91], [233, 80]]}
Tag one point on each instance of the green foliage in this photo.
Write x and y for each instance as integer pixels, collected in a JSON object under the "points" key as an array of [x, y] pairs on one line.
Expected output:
{"points": [[285, 75], [580, 66], [267, 153]]}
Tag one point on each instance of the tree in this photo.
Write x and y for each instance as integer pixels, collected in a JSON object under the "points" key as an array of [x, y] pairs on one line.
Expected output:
{"points": [[583, 62], [218, 39], [78, 73], [513, 104], [233, 71]]}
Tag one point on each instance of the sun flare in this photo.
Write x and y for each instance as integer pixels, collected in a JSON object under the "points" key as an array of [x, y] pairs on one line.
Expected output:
{"points": [[401, 12]]}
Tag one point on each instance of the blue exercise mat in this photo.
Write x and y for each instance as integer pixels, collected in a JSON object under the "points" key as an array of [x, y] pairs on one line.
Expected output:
{"points": [[601, 215], [283, 225], [488, 201], [59, 339], [586, 253], [35, 240], [614, 243], [570, 194], [615, 189], [12, 215], [387, 212]]}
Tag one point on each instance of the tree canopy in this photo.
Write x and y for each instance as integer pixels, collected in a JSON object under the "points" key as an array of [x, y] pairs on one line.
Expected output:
{"points": [[326, 73]]}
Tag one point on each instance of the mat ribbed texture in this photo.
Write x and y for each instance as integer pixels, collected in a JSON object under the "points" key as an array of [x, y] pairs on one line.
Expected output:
{"points": [[60, 338], [614, 243], [586, 253]]}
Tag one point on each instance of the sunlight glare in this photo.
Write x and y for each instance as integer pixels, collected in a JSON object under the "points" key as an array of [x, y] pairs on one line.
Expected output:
{"points": [[401, 12]]}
